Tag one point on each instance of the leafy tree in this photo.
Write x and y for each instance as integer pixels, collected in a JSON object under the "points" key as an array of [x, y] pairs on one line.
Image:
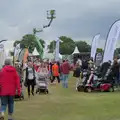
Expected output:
{"points": [[29, 41], [117, 52], [67, 45], [11, 53], [52, 46], [16, 43], [42, 43], [99, 50], [83, 46]]}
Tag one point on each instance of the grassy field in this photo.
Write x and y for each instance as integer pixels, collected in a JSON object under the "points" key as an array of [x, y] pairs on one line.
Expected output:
{"points": [[67, 104]]}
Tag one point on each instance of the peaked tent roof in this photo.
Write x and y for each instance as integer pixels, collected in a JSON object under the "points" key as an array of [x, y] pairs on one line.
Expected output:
{"points": [[76, 51], [35, 52], [60, 56], [51, 56]]}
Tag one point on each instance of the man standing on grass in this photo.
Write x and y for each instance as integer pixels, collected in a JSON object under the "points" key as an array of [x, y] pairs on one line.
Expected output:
{"points": [[65, 69], [9, 83]]}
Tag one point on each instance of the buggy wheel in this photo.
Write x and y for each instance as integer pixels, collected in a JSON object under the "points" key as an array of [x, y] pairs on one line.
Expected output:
{"points": [[102, 90], [37, 91], [111, 89], [89, 89], [47, 91], [80, 88], [23, 97], [85, 89], [20, 98]]}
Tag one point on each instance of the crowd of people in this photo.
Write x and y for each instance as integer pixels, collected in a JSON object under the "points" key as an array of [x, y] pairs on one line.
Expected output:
{"points": [[11, 78], [109, 69]]}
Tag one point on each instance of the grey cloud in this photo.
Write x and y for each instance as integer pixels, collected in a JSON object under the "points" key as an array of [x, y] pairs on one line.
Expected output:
{"points": [[79, 19]]}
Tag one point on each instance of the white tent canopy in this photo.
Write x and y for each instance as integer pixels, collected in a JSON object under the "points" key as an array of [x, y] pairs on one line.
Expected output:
{"points": [[48, 56], [51, 56], [35, 52], [76, 51], [60, 56]]}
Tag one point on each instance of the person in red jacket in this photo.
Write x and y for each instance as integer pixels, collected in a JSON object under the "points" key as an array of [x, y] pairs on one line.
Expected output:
{"points": [[65, 69], [9, 83]]}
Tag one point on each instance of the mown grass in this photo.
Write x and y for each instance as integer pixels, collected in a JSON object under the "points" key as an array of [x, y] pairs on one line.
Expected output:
{"points": [[67, 104]]}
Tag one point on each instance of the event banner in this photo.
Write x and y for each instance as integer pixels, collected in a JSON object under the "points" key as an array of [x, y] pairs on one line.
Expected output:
{"points": [[40, 48], [57, 50], [17, 50], [111, 42], [2, 55], [94, 45]]}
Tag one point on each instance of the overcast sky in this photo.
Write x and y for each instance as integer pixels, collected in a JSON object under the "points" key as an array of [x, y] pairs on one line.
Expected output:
{"points": [[79, 19]]}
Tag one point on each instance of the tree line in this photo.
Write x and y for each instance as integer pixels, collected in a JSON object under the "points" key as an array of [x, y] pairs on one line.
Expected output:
{"points": [[67, 44]]}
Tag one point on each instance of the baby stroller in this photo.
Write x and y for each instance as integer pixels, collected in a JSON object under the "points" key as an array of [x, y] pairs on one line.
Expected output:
{"points": [[42, 85], [21, 97]]}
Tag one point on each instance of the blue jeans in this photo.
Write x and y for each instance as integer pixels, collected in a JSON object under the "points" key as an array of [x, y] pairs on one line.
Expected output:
{"points": [[65, 80], [7, 101]]}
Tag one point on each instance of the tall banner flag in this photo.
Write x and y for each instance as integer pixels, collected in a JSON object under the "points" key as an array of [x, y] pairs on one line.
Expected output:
{"points": [[17, 50], [94, 46], [2, 55], [21, 55], [111, 41], [26, 54], [57, 50]]}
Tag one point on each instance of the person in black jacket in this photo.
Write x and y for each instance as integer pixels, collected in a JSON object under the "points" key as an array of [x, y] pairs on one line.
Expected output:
{"points": [[30, 80], [84, 64], [104, 68], [77, 72], [115, 72]]}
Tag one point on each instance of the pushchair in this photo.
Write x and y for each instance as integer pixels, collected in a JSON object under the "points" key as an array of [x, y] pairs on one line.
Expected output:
{"points": [[42, 85]]}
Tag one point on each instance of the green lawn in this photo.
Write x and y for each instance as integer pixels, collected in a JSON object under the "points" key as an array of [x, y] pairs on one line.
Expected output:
{"points": [[67, 104]]}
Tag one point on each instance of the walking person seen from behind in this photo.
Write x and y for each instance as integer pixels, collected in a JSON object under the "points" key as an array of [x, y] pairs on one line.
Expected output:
{"points": [[9, 83], [77, 74], [115, 71], [65, 69]]}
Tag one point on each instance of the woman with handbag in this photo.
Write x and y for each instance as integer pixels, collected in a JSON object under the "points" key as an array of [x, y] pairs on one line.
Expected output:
{"points": [[30, 80]]}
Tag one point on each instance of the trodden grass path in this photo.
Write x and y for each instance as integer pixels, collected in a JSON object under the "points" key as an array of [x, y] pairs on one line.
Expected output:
{"points": [[67, 104]]}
